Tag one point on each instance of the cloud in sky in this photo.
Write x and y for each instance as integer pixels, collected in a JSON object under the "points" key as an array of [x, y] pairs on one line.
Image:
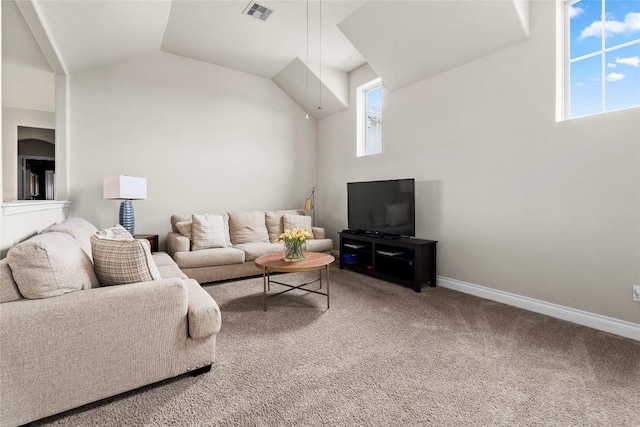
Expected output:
{"points": [[614, 77], [631, 24], [575, 11], [634, 61], [580, 84], [612, 65]]}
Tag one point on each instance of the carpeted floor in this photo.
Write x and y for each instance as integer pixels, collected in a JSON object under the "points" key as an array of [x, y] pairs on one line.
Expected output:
{"points": [[384, 355]]}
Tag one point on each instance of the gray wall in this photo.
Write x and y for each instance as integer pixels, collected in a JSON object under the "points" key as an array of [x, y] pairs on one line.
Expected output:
{"points": [[519, 202], [207, 138]]}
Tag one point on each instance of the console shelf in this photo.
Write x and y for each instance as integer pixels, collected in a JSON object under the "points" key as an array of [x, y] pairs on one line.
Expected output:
{"points": [[406, 261]]}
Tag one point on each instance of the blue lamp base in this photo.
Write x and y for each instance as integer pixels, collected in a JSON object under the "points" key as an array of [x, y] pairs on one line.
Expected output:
{"points": [[127, 218]]}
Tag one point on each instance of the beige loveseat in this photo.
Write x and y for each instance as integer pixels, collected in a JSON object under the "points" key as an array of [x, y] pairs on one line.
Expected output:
{"points": [[245, 237], [79, 342]]}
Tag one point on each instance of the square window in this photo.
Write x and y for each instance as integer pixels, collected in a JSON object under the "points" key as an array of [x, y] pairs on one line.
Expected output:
{"points": [[601, 56]]}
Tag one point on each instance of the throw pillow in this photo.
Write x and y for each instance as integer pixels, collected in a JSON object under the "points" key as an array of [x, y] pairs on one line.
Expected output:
{"points": [[118, 262], [185, 228], [207, 232], [178, 218], [49, 265], [275, 222], [293, 221], [117, 232]]}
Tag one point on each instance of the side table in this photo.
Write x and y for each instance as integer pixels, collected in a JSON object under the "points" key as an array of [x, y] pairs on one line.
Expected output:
{"points": [[152, 238]]}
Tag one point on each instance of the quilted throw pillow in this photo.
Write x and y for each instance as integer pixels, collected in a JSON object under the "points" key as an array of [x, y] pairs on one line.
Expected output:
{"points": [[207, 232], [118, 262]]}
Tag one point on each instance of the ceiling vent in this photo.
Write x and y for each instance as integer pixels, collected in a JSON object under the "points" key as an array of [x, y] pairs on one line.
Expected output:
{"points": [[258, 11]]}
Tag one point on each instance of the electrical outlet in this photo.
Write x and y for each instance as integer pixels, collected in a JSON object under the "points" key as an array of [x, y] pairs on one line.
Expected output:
{"points": [[636, 293]]}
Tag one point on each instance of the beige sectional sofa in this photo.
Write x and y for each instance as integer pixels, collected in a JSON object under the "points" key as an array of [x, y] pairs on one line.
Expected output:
{"points": [[245, 237], [73, 341]]}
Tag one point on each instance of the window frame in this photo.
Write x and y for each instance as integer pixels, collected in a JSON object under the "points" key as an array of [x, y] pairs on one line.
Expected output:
{"points": [[361, 113], [567, 61]]}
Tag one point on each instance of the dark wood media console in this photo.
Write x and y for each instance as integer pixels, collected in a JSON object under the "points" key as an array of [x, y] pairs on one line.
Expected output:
{"points": [[406, 261]]}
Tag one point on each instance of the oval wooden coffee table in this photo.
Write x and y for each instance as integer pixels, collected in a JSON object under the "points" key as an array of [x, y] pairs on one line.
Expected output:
{"points": [[274, 263]]}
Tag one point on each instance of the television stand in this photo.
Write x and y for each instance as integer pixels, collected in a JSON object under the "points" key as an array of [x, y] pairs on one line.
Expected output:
{"points": [[388, 236], [353, 231], [403, 260]]}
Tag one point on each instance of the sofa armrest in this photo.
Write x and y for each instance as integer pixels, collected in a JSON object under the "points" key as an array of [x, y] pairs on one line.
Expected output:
{"points": [[203, 312], [318, 232], [102, 341], [176, 242]]}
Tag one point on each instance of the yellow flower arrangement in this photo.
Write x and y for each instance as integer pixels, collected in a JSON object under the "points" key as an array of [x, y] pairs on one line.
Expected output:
{"points": [[293, 240]]}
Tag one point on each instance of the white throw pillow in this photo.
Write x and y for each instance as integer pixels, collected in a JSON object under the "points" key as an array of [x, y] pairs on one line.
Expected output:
{"points": [[118, 262], [294, 221], [117, 232], [208, 232]]}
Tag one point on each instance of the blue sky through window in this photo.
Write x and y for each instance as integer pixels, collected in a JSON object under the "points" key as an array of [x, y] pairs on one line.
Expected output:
{"points": [[373, 143], [612, 73]]}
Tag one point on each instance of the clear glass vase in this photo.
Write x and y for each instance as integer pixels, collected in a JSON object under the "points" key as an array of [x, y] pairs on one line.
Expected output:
{"points": [[293, 250]]}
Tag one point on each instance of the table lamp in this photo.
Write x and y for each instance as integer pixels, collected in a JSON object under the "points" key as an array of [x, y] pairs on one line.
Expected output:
{"points": [[125, 188]]}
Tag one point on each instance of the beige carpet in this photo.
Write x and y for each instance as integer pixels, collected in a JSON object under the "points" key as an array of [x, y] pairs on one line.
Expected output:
{"points": [[384, 355]]}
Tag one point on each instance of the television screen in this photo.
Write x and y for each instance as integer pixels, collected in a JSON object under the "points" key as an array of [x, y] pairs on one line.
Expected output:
{"points": [[386, 207]]}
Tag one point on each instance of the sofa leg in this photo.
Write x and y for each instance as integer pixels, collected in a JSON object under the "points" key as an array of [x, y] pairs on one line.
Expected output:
{"points": [[200, 371]]}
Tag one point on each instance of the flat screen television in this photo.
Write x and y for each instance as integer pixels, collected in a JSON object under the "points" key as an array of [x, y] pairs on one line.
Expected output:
{"points": [[382, 207]]}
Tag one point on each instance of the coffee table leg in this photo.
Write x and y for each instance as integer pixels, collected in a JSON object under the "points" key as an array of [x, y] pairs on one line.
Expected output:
{"points": [[320, 273], [327, 267], [264, 283]]}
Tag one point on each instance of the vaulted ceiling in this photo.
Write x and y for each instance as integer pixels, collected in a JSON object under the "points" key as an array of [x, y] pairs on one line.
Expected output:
{"points": [[403, 41]]}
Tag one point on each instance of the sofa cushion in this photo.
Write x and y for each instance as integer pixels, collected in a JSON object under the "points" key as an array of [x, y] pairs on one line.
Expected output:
{"points": [[275, 222], [167, 266], [162, 259], [171, 271], [297, 221], [248, 227], [208, 232], [50, 264], [120, 262], [78, 228], [254, 250], [209, 257], [8, 288]]}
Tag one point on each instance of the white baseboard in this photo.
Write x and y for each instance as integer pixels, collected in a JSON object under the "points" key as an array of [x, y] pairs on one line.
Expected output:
{"points": [[584, 318]]}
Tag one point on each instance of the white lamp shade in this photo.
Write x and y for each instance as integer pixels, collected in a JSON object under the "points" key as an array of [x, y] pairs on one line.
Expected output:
{"points": [[123, 187]]}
